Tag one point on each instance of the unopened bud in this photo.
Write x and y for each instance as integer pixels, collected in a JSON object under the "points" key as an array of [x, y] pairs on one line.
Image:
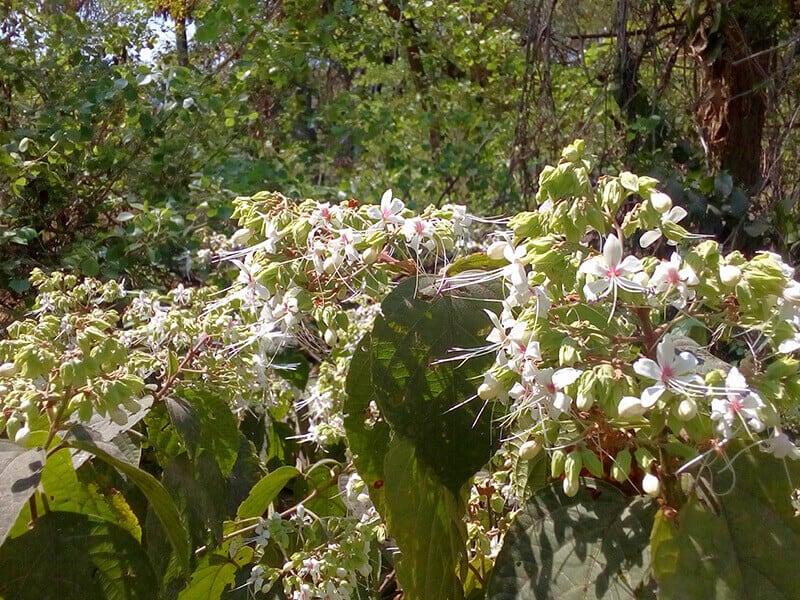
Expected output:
{"points": [[651, 485], [661, 201], [496, 249], [730, 275], [687, 409], [530, 450]]}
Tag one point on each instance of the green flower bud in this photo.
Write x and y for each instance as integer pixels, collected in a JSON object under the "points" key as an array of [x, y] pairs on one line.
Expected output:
{"points": [[568, 353], [530, 450], [557, 461]]}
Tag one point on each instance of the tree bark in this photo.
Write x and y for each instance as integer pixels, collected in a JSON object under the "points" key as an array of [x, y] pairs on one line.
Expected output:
{"points": [[181, 42], [732, 109]]}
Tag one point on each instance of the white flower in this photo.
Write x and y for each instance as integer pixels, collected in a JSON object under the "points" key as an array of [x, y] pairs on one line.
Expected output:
{"points": [[418, 231], [389, 210], [551, 384], [780, 446], [740, 402], [730, 274], [672, 371], [612, 270], [674, 215], [669, 276], [326, 216]]}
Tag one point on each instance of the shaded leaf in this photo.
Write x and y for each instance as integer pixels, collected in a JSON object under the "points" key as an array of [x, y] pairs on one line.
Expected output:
{"points": [[157, 496], [86, 558], [594, 545], [425, 401], [20, 473], [426, 520], [747, 551]]}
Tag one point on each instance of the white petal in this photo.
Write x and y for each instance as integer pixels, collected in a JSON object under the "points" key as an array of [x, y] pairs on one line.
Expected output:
{"points": [[564, 377], [735, 380], [562, 402], [386, 198], [612, 251], [649, 237], [651, 395], [630, 265], [676, 214], [684, 363], [596, 289], [593, 266], [647, 368]]}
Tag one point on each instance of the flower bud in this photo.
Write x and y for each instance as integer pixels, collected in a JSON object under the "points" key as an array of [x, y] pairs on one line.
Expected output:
{"points": [[241, 236], [530, 450], [370, 255], [496, 249], [7, 369], [331, 337], [661, 201], [630, 407], [571, 486], [651, 485], [557, 463], [687, 409], [730, 275]]}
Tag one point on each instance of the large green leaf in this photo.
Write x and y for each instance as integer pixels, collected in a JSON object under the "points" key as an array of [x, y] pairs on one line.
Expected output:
{"points": [[425, 401], [20, 473], [66, 492], [265, 491], [745, 548], [69, 556], [594, 545], [156, 495], [205, 422], [426, 520]]}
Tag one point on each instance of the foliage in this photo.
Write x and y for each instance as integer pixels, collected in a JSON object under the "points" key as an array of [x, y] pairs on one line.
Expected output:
{"points": [[376, 378]]}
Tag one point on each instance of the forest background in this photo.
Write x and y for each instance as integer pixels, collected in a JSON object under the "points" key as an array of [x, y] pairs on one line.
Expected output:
{"points": [[443, 102]]}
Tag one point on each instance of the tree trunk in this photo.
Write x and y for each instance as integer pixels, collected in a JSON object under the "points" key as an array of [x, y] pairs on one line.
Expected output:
{"points": [[732, 107], [181, 43]]}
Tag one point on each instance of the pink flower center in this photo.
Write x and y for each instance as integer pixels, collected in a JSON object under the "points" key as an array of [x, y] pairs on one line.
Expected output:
{"points": [[667, 373], [551, 388], [612, 272], [419, 227], [737, 404], [673, 277], [325, 213]]}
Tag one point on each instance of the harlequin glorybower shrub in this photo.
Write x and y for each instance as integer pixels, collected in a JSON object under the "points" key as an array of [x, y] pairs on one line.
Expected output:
{"points": [[582, 401]]}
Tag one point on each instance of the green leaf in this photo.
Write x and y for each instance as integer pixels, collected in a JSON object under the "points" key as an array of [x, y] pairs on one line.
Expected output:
{"points": [[210, 582], [265, 491], [425, 401], [748, 550], [157, 496], [426, 521], [215, 574], [20, 473], [65, 492], [206, 422], [293, 366], [594, 545], [85, 558]]}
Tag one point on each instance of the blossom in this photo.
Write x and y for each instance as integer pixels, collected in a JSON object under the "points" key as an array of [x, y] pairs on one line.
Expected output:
{"points": [[418, 231], [739, 402], [673, 215], [613, 271], [780, 446], [550, 384], [389, 210], [670, 276], [672, 371]]}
